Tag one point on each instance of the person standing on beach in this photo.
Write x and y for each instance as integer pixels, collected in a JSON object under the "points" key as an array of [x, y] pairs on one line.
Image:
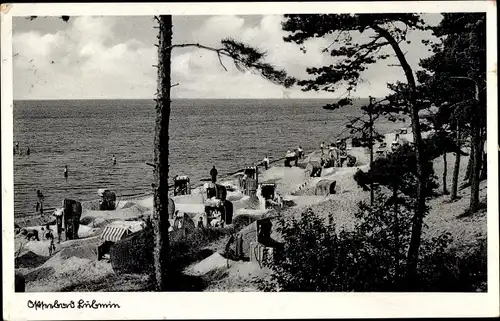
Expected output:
{"points": [[266, 162], [50, 236], [39, 204], [66, 172], [28, 151], [213, 174], [59, 222], [114, 160], [336, 155], [322, 146], [301, 152]]}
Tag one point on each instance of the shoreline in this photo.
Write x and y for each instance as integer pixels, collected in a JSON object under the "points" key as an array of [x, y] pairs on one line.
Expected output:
{"points": [[145, 195], [74, 257]]}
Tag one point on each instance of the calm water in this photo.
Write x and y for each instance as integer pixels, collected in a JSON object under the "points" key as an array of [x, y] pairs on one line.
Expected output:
{"points": [[84, 134]]}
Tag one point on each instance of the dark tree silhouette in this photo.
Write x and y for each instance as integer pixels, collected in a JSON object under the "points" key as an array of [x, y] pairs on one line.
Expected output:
{"points": [[244, 58], [386, 30], [455, 77], [363, 127]]}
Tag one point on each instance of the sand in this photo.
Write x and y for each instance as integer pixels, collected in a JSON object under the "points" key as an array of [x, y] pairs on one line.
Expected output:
{"points": [[131, 212], [74, 261], [59, 273], [212, 263], [239, 277]]}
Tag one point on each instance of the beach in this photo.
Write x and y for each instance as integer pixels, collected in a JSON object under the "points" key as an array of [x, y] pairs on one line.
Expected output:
{"points": [[85, 134], [76, 260]]}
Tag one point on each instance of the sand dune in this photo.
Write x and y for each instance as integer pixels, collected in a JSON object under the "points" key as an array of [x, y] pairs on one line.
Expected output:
{"points": [[74, 261]]}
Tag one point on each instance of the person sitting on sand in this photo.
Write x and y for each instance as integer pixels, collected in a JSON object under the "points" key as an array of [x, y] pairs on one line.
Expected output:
{"points": [[17, 229], [395, 144], [200, 222], [30, 234]]}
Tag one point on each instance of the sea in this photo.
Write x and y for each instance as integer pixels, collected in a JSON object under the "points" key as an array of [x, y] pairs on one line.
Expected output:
{"points": [[85, 134]]}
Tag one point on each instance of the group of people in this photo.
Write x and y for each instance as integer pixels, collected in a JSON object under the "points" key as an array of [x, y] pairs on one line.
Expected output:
{"points": [[294, 156], [17, 150], [336, 155], [33, 235], [299, 153]]}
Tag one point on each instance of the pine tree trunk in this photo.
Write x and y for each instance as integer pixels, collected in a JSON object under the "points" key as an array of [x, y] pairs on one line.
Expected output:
{"points": [[420, 208], [396, 234], [456, 169], [468, 170], [476, 165], [372, 192], [484, 168], [445, 175], [484, 162], [161, 147]]}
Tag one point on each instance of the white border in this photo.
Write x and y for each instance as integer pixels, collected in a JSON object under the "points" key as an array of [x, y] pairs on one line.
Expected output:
{"points": [[249, 305]]}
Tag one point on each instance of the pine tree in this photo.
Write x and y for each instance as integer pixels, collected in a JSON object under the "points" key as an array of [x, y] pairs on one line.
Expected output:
{"points": [[386, 30]]}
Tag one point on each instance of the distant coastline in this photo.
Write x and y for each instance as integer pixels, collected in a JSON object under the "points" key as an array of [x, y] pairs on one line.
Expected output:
{"points": [[180, 99]]}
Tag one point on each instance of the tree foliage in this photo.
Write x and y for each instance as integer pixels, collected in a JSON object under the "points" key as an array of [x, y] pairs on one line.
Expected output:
{"points": [[244, 58], [397, 171], [352, 57], [455, 79], [318, 257], [461, 52]]}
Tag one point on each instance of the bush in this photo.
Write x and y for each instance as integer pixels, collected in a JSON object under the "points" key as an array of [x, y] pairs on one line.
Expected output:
{"points": [[314, 257], [134, 254], [370, 258], [448, 271]]}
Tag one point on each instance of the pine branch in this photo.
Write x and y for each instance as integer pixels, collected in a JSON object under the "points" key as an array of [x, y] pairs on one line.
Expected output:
{"points": [[245, 57]]}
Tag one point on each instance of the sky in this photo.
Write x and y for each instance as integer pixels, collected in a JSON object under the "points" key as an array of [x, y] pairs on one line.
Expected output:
{"points": [[113, 57]]}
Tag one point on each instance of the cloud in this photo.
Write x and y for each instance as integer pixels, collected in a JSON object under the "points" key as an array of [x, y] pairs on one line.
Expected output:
{"points": [[93, 58], [200, 74], [82, 61]]}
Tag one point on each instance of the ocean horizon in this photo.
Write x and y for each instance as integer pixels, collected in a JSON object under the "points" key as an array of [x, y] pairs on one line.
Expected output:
{"points": [[173, 99]]}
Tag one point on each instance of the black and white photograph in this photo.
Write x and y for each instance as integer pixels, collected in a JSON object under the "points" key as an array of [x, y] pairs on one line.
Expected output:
{"points": [[286, 151]]}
